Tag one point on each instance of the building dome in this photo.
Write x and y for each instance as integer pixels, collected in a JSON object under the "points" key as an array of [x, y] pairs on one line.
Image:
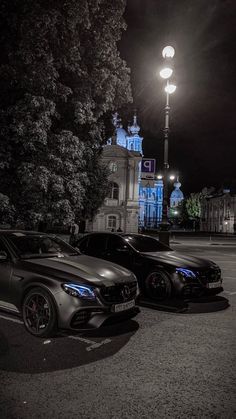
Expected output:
{"points": [[121, 136], [176, 195]]}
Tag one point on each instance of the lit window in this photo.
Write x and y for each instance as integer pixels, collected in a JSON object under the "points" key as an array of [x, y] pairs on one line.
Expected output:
{"points": [[113, 167]]}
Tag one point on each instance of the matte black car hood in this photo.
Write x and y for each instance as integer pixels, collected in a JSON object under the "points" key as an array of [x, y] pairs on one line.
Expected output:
{"points": [[177, 260], [88, 269]]}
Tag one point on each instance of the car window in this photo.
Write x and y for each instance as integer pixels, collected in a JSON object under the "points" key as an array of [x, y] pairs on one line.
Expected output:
{"points": [[97, 243], [37, 245], [116, 242], [146, 244], [83, 245], [3, 248]]}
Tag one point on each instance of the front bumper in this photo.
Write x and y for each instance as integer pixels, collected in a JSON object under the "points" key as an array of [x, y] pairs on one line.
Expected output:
{"points": [[187, 288], [80, 314]]}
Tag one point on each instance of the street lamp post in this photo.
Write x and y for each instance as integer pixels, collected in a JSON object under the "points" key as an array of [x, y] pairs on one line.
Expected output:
{"points": [[167, 53]]}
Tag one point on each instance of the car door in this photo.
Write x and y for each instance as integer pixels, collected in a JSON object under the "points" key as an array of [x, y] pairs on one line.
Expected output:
{"points": [[5, 274], [118, 251], [96, 246]]}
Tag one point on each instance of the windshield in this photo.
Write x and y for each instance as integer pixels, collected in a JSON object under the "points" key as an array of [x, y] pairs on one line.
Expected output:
{"points": [[146, 244], [36, 245]]}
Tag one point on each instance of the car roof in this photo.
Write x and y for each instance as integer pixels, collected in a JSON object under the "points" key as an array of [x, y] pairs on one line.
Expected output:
{"points": [[25, 232], [111, 233]]}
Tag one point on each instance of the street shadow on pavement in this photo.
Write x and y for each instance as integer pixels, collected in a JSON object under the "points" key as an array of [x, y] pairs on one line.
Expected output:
{"points": [[205, 304], [21, 352], [113, 329]]}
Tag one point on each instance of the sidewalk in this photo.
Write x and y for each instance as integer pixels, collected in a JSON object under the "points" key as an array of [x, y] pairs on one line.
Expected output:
{"points": [[200, 241]]}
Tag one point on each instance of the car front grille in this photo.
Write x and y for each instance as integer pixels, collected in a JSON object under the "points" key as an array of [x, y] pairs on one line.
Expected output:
{"points": [[209, 275], [119, 293]]}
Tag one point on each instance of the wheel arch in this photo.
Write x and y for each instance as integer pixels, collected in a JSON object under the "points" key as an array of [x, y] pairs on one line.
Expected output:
{"points": [[43, 283], [156, 268]]}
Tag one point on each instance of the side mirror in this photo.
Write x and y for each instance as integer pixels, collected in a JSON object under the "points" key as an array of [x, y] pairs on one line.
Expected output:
{"points": [[3, 256]]}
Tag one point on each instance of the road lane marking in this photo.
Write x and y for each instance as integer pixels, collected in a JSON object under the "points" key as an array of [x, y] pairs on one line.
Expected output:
{"points": [[11, 319], [229, 277], [92, 344]]}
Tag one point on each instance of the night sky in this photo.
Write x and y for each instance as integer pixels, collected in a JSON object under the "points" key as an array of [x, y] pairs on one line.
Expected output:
{"points": [[202, 142]]}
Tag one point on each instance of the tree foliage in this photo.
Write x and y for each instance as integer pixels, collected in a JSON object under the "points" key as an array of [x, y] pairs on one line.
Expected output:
{"points": [[7, 211], [61, 76], [193, 205]]}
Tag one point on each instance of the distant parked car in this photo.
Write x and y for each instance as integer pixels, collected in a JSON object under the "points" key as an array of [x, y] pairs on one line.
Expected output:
{"points": [[51, 285], [162, 273]]}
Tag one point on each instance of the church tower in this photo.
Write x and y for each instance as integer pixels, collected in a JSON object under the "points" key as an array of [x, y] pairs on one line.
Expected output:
{"points": [[120, 209], [132, 203], [134, 141]]}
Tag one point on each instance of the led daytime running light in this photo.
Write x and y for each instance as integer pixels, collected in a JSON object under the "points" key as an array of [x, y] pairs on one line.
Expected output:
{"points": [[79, 291], [187, 273]]}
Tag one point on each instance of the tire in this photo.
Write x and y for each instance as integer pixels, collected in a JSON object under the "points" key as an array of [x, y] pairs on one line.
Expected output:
{"points": [[39, 313], [158, 285]]}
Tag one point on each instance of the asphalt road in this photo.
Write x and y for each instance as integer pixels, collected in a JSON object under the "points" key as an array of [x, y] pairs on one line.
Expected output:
{"points": [[162, 364]]}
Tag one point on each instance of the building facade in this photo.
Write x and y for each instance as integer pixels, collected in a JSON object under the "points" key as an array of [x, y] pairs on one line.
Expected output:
{"points": [[219, 213], [131, 204], [120, 209]]}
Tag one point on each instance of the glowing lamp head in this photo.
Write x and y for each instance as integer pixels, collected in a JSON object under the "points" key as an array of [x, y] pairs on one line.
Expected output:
{"points": [[170, 88], [166, 73], [159, 177], [172, 177], [168, 52]]}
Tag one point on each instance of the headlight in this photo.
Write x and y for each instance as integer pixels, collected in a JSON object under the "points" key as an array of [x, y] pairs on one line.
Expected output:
{"points": [[80, 291], [186, 273]]}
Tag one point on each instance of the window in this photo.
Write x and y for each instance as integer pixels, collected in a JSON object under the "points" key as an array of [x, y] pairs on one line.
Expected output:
{"points": [[31, 245], [116, 242], [146, 244], [112, 221], [113, 191], [113, 167], [83, 245], [96, 243], [3, 248]]}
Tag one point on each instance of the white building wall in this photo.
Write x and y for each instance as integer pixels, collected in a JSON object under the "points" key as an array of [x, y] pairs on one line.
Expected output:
{"points": [[124, 210], [219, 213]]}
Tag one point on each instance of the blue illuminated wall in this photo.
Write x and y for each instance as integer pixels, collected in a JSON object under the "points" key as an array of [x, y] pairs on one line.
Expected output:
{"points": [[150, 199]]}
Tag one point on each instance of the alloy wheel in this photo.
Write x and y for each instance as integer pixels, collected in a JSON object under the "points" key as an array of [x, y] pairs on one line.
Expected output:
{"points": [[158, 285], [39, 313]]}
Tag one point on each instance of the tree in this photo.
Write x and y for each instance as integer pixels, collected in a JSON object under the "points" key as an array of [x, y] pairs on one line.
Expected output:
{"points": [[7, 212], [193, 207], [61, 76]]}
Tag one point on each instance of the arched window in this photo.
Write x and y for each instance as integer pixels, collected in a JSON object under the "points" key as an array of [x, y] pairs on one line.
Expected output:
{"points": [[112, 222], [113, 167], [113, 191]]}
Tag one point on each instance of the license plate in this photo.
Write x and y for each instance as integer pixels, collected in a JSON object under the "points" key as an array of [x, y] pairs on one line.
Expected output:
{"points": [[214, 284], [123, 306]]}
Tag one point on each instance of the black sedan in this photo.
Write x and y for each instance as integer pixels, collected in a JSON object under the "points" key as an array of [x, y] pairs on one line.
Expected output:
{"points": [[53, 286], [161, 272]]}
